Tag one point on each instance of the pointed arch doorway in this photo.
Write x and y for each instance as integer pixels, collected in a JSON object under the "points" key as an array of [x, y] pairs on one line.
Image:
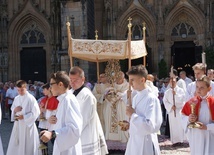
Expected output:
{"points": [[185, 54], [33, 64]]}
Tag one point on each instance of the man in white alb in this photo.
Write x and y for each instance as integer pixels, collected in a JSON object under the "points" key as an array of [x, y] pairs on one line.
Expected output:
{"points": [[99, 93], [114, 110], [173, 107], [183, 76], [92, 137]]}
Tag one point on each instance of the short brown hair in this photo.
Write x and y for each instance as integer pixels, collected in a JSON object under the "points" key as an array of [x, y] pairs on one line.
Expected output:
{"points": [[77, 70], [205, 79], [47, 86], [21, 83], [139, 70], [61, 76]]}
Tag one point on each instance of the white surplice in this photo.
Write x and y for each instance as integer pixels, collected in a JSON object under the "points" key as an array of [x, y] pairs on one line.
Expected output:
{"points": [[201, 141], [92, 137], [153, 88], [24, 138], [144, 125], [182, 84], [187, 81], [175, 123], [191, 88], [115, 111], [68, 127], [1, 147], [99, 93]]}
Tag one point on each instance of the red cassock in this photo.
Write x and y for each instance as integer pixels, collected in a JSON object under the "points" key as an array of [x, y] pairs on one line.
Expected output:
{"points": [[187, 109], [51, 102]]}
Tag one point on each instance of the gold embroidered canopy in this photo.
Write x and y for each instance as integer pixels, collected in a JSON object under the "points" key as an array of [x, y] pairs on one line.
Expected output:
{"points": [[103, 50]]}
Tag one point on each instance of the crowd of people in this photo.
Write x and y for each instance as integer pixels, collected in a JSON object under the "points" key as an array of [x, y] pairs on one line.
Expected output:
{"points": [[77, 119]]}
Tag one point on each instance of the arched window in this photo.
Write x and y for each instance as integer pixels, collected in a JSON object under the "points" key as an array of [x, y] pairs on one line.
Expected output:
{"points": [[183, 29], [137, 32], [33, 36]]}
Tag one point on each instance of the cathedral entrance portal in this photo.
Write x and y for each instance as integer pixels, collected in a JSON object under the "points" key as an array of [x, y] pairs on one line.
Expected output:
{"points": [[184, 55], [33, 64]]}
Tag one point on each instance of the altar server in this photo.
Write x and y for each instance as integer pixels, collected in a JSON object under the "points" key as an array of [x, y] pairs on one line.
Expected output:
{"points": [[68, 119], [201, 139], [145, 116], [24, 138]]}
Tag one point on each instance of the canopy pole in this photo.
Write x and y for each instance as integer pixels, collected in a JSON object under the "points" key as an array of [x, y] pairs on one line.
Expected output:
{"points": [[69, 43], [98, 69], [97, 61], [144, 39], [129, 50], [129, 40]]}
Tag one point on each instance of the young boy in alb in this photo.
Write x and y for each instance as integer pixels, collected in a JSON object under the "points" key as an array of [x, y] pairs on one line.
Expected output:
{"points": [[145, 116], [68, 120], [201, 139], [48, 106], [24, 138]]}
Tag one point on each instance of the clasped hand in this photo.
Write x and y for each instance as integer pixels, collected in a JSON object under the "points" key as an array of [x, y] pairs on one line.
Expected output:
{"points": [[45, 136], [18, 109], [124, 125], [52, 119], [192, 118]]}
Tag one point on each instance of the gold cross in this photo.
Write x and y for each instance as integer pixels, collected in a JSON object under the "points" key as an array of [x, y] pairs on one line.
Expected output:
{"points": [[129, 19], [130, 24]]}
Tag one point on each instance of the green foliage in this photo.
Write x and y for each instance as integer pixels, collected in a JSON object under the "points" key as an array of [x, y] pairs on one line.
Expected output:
{"points": [[209, 57], [162, 69]]}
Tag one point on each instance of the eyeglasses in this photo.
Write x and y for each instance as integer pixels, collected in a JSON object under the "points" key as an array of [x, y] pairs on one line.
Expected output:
{"points": [[52, 83]]}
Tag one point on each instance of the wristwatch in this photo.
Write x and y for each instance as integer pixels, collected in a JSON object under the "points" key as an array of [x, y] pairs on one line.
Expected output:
{"points": [[53, 134]]}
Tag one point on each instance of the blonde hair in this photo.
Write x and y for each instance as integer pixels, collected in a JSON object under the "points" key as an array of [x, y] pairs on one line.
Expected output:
{"points": [[205, 79], [199, 66]]}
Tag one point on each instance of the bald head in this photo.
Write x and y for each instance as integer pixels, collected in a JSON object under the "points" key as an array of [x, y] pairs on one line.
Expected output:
{"points": [[182, 75], [103, 78], [120, 78], [150, 77]]}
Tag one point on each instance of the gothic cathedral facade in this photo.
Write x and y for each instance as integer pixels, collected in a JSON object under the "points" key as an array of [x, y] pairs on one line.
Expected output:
{"points": [[33, 36]]}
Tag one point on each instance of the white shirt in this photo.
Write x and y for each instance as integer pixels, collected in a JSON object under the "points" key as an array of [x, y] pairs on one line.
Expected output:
{"points": [[187, 81], [11, 93]]}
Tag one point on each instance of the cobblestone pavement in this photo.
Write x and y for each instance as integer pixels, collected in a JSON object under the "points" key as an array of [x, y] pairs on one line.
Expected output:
{"points": [[165, 144], [167, 149]]}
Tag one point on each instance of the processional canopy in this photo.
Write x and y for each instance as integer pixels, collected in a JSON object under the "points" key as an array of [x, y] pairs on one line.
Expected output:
{"points": [[103, 50], [107, 50]]}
